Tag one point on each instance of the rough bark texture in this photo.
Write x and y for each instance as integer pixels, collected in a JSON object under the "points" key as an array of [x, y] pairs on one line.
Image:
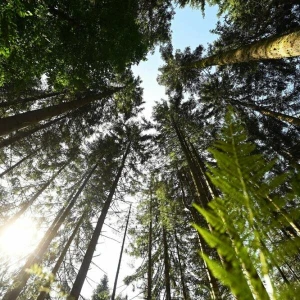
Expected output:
{"points": [[77, 286], [270, 48]]}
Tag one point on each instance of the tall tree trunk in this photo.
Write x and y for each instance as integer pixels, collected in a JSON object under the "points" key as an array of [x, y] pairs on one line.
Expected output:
{"points": [[77, 286], [62, 255], [9, 124], [26, 205], [23, 134], [167, 265], [275, 47], [149, 272], [36, 257], [276, 115], [18, 163], [185, 291], [203, 198], [120, 258], [33, 98]]}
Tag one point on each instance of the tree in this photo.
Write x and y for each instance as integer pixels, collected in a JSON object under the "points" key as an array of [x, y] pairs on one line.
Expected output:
{"points": [[102, 290]]}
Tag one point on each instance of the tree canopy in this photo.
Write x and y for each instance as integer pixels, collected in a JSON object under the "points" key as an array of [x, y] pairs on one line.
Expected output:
{"points": [[212, 179]]}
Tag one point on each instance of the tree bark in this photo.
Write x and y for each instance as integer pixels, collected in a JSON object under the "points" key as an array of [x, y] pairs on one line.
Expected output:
{"points": [[55, 269], [275, 47], [77, 286], [149, 273], [267, 112], [185, 291], [120, 258], [36, 257], [9, 124], [23, 134], [167, 265]]}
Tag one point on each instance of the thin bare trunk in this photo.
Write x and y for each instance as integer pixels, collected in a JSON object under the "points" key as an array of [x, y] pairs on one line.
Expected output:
{"points": [[120, 258], [18, 163], [149, 273], [55, 269], [26, 205], [77, 286], [185, 291], [36, 257], [167, 265]]}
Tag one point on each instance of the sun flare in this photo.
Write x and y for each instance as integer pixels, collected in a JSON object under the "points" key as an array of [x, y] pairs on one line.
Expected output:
{"points": [[19, 238]]}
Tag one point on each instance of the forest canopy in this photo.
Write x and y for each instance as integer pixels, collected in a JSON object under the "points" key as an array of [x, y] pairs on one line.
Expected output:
{"points": [[212, 178]]}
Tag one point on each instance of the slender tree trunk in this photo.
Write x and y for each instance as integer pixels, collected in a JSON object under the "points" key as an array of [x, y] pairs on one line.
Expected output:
{"points": [[36, 257], [149, 279], [77, 286], [26, 205], [120, 258], [167, 265], [10, 124], [202, 196], [276, 115], [275, 47], [185, 291], [23, 134], [55, 269], [18, 163], [33, 98]]}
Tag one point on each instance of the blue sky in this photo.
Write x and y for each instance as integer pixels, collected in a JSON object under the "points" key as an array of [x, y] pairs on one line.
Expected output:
{"points": [[189, 28]]}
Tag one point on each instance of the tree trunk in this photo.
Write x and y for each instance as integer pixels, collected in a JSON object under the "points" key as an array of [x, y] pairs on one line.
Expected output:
{"points": [[167, 265], [276, 115], [33, 98], [9, 124], [18, 163], [120, 259], [185, 291], [149, 273], [275, 47], [203, 198], [22, 134], [77, 286], [55, 269], [37, 255], [26, 205]]}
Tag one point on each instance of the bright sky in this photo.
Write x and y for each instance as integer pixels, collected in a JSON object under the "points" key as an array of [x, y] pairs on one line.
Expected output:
{"points": [[188, 29]]}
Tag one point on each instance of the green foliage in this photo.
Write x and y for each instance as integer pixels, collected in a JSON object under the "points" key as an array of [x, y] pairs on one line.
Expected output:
{"points": [[243, 216]]}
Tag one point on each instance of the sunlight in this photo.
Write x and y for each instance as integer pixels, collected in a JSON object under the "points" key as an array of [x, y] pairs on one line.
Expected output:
{"points": [[19, 238]]}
